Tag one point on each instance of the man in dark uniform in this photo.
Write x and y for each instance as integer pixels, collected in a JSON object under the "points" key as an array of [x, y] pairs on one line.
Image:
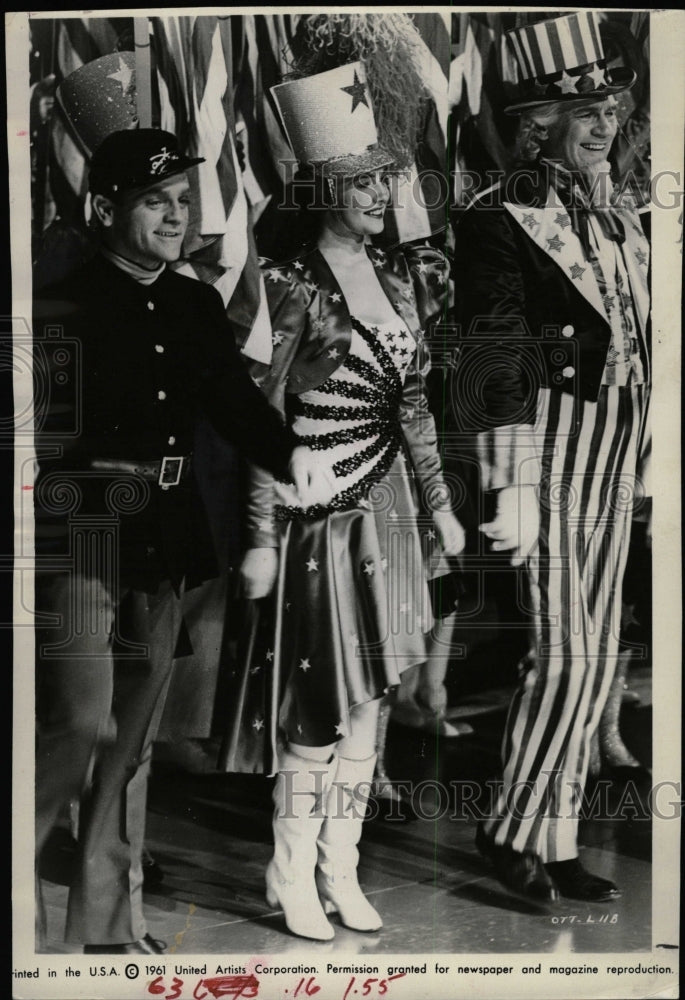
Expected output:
{"points": [[128, 354]]}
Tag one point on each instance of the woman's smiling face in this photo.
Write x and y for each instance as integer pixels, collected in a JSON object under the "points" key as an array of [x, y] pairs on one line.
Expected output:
{"points": [[361, 205]]}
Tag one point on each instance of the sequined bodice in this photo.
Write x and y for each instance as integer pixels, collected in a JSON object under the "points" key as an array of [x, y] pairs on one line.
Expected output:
{"points": [[354, 415]]}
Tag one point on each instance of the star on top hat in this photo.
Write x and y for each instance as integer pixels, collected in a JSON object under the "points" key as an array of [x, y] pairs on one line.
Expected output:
{"points": [[329, 121], [562, 59], [99, 98]]}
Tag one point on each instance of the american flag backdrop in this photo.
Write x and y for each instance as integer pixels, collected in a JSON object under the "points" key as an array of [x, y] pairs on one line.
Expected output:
{"points": [[210, 79]]}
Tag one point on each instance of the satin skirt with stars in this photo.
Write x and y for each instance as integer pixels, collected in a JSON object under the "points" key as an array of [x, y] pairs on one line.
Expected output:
{"points": [[350, 612]]}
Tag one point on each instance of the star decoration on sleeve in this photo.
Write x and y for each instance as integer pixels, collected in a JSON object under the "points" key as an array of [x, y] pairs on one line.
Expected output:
{"points": [[122, 76], [275, 275], [555, 243], [277, 339], [369, 568], [258, 724], [312, 565], [577, 272], [269, 654], [318, 326], [357, 92], [336, 297], [529, 220], [422, 268], [377, 262], [334, 353], [305, 665], [298, 265], [562, 219]]}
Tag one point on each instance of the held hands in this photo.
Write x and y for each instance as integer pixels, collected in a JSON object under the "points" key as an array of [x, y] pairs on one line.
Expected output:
{"points": [[451, 532], [516, 525], [314, 481], [258, 572]]}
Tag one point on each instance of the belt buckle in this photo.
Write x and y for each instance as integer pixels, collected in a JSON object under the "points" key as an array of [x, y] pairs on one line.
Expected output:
{"points": [[170, 472]]}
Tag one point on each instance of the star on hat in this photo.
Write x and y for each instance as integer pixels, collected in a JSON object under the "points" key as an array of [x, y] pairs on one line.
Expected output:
{"points": [[357, 92], [123, 75], [568, 84]]}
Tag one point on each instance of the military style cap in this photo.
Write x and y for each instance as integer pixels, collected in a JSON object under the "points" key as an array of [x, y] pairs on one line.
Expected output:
{"points": [[136, 158]]}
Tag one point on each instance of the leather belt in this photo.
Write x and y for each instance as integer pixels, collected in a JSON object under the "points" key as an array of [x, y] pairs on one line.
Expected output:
{"points": [[166, 472]]}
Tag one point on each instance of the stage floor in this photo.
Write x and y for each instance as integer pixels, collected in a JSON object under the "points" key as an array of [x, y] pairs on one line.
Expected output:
{"points": [[211, 833]]}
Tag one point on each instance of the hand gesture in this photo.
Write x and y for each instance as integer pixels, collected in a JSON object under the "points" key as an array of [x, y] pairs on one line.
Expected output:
{"points": [[258, 572], [314, 480], [516, 525], [451, 532]]}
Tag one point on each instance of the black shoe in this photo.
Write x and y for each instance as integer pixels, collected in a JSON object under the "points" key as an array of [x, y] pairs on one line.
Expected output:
{"points": [[153, 873], [146, 946], [522, 872], [574, 882]]}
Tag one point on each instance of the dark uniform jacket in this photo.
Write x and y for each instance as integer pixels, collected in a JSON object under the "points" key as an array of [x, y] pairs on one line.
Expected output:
{"points": [[122, 371], [530, 310]]}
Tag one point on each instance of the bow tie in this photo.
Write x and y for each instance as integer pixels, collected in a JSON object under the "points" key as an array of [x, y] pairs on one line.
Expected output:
{"points": [[575, 196]]}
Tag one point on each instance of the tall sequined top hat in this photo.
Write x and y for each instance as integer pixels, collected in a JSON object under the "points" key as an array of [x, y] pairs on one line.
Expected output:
{"points": [[131, 160], [562, 59], [329, 121], [100, 97]]}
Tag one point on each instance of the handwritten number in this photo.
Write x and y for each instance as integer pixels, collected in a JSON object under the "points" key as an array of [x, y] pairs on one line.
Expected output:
{"points": [[349, 988], [156, 987], [366, 988], [199, 996], [176, 986]]}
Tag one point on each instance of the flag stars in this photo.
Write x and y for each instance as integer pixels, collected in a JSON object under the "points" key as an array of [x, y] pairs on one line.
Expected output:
{"points": [[258, 724], [275, 275], [305, 665], [318, 326], [334, 353], [336, 297], [312, 565], [298, 265], [422, 268], [529, 220], [555, 243], [341, 729], [269, 655], [562, 219], [577, 272], [368, 568], [277, 339]]}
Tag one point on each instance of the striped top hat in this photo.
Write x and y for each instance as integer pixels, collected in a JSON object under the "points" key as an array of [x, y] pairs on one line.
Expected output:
{"points": [[562, 59], [329, 121]]}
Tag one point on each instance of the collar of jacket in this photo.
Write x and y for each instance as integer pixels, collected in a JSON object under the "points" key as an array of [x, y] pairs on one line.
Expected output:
{"points": [[327, 331], [549, 226]]}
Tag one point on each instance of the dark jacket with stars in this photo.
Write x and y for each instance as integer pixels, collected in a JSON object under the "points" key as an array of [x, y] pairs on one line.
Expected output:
{"points": [[122, 371], [525, 286], [529, 308], [312, 333]]}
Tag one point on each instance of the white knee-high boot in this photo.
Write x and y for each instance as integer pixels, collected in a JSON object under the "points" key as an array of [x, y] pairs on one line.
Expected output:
{"points": [[336, 876], [299, 798]]}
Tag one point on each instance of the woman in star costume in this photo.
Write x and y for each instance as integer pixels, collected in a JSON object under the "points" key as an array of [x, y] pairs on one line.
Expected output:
{"points": [[352, 607], [552, 271]]}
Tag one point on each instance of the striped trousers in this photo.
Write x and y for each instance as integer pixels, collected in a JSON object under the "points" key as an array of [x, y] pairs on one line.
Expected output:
{"points": [[589, 454]]}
